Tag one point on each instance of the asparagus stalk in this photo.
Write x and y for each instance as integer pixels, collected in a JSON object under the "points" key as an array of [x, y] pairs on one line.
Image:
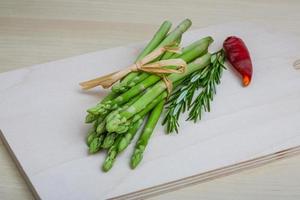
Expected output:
{"points": [[95, 144], [111, 155], [92, 132], [91, 136], [108, 140], [91, 117], [119, 120], [176, 33], [127, 138], [102, 109], [137, 122], [154, 42], [149, 107], [168, 55], [146, 134], [158, 37], [194, 45], [109, 97]]}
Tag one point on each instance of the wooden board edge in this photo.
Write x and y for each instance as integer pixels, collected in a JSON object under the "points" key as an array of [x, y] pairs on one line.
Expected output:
{"points": [[177, 184], [210, 175], [19, 166]]}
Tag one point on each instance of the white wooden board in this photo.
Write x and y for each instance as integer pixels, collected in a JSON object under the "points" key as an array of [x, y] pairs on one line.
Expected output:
{"points": [[42, 110]]}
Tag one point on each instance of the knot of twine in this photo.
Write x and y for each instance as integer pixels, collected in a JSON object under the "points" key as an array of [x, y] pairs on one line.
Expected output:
{"points": [[157, 68]]}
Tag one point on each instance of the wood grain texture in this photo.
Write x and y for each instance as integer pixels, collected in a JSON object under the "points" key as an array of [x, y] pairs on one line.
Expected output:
{"points": [[39, 31]]}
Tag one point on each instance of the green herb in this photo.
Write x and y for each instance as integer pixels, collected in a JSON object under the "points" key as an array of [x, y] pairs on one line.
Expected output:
{"points": [[211, 78], [183, 98]]}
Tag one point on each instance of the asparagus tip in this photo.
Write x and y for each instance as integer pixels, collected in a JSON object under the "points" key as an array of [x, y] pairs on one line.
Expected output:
{"points": [[90, 118], [136, 158], [95, 144], [90, 138], [93, 150], [107, 165], [100, 128], [108, 141], [122, 145], [117, 124], [93, 110], [100, 109]]}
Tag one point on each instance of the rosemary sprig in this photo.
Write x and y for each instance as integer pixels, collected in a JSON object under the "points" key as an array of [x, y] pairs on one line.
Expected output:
{"points": [[183, 99], [209, 81], [180, 100]]}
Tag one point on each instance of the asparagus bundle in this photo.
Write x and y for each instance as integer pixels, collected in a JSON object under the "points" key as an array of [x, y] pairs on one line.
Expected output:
{"points": [[140, 96]]}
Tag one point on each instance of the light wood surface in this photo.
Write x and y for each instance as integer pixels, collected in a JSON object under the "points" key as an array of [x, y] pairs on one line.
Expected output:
{"points": [[40, 31]]}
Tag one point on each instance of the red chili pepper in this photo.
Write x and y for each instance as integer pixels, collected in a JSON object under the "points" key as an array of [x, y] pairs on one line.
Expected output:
{"points": [[238, 56]]}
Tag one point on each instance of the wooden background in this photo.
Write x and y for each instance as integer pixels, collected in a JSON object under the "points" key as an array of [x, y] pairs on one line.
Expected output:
{"points": [[33, 32]]}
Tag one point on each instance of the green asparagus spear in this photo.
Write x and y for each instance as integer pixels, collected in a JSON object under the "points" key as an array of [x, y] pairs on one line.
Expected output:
{"points": [[149, 107], [176, 33], [91, 117], [137, 121], [95, 144], [118, 120], [111, 155], [154, 42], [126, 139], [194, 45], [159, 36], [146, 134], [108, 140], [168, 55], [92, 132], [91, 135]]}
